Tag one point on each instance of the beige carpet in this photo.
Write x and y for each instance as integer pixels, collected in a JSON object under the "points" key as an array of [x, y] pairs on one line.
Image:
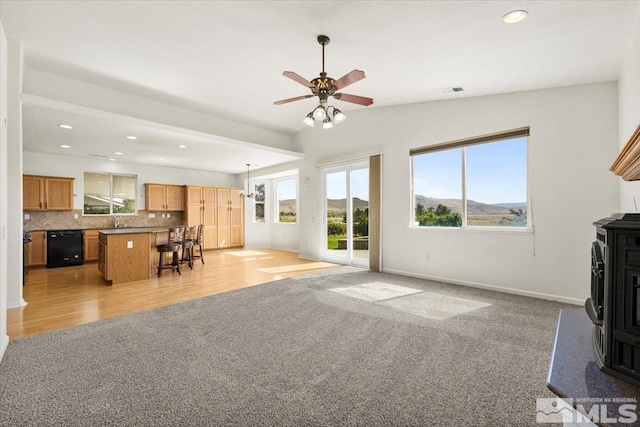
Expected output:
{"points": [[338, 347]]}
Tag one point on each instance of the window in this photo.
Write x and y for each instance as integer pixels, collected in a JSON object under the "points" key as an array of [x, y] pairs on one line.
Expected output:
{"points": [[109, 194], [287, 201], [478, 182], [258, 201]]}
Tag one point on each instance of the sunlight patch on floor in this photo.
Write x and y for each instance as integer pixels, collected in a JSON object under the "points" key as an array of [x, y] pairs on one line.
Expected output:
{"points": [[245, 253], [433, 306], [375, 291], [296, 267]]}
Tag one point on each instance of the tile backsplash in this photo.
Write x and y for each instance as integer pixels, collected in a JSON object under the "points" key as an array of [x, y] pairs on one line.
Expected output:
{"points": [[64, 220]]}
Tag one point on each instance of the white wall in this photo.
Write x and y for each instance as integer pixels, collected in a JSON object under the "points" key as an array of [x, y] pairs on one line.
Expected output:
{"points": [[4, 339], [270, 234], [574, 134], [629, 107], [49, 164], [14, 173]]}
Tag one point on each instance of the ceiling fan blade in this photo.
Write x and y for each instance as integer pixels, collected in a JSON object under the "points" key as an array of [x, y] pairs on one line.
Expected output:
{"points": [[297, 78], [354, 99], [349, 78], [297, 98]]}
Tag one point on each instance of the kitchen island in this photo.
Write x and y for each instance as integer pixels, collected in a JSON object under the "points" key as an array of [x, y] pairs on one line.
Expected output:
{"points": [[129, 254]]}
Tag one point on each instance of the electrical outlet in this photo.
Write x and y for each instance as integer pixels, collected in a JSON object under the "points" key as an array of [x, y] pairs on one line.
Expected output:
{"points": [[27, 216], [152, 215], [129, 244], [75, 216], [168, 215], [164, 215]]}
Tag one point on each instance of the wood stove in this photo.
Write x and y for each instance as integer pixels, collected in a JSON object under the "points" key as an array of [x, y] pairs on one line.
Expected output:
{"points": [[614, 303]]}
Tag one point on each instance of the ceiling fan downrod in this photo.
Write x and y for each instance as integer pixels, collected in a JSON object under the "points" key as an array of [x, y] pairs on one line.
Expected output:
{"points": [[323, 40]]}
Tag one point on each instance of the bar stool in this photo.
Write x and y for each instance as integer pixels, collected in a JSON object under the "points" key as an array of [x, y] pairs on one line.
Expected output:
{"points": [[198, 243], [173, 245], [187, 246]]}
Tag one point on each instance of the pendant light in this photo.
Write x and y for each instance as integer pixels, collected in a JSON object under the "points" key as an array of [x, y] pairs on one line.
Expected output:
{"points": [[248, 194]]}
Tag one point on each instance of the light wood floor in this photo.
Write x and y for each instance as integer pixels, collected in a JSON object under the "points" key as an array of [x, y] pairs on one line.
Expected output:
{"points": [[62, 297]]}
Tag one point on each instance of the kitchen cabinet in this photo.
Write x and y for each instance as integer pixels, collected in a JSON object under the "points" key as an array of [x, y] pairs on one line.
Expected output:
{"points": [[163, 197], [201, 209], [91, 245], [36, 250], [230, 212], [47, 193]]}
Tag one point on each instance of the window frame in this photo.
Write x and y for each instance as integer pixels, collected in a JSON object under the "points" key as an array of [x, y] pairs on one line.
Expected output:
{"points": [[111, 176], [276, 199], [462, 144], [256, 202]]}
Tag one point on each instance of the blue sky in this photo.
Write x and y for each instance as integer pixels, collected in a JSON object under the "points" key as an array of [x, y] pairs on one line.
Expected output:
{"points": [[286, 189], [337, 184], [496, 173]]}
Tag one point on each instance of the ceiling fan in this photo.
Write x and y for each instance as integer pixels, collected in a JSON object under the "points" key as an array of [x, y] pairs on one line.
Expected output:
{"points": [[323, 87]]}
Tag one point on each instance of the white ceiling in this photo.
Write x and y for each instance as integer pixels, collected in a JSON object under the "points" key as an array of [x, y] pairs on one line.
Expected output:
{"points": [[225, 58]]}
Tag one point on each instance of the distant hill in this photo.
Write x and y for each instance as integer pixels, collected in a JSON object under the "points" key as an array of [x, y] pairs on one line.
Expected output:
{"points": [[473, 207], [521, 205], [333, 205]]}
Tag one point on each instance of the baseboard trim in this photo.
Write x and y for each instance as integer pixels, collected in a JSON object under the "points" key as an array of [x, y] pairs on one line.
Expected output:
{"points": [[308, 257], [532, 294], [4, 343], [21, 303], [283, 249]]}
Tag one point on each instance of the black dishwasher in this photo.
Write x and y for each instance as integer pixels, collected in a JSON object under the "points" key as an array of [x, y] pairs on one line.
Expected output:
{"points": [[64, 247]]}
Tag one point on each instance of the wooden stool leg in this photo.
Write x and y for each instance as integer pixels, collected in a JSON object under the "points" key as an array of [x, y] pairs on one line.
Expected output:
{"points": [[160, 265], [176, 262]]}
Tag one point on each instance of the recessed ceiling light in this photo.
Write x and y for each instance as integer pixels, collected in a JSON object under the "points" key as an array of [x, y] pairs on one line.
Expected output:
{"points": [[515, 16], [65, 146], [63, 126], [112, 159], [132, 137], [160, 158], [182, 146], [118, 153]]}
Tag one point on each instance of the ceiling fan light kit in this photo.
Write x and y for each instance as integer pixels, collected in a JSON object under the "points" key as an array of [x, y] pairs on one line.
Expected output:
{"points": [[323, 87]]}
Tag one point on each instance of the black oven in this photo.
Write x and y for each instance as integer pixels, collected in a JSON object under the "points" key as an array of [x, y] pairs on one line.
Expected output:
{"points": [[26, 239]]}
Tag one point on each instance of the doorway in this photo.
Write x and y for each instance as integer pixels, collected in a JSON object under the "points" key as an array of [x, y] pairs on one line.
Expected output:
{"points": [[345, 196]]}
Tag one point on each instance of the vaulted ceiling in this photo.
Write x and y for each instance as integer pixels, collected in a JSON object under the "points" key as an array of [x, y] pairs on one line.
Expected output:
{"points": [[226, 58]]}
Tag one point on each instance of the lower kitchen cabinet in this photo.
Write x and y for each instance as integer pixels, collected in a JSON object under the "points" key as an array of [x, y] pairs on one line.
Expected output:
{"points": [[36, 250], [91, 245]]}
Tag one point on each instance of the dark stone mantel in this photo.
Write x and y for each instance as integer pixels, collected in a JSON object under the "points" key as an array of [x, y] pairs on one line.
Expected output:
{"points": [[574, 372]]}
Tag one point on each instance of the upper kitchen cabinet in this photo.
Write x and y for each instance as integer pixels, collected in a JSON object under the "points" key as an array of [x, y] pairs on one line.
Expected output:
{"points": [[47, 193], [163, 197]]}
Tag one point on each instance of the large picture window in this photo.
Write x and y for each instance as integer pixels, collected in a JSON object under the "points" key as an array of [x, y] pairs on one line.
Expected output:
{"points": [[287, 200], [478, 182], [109, 194]]}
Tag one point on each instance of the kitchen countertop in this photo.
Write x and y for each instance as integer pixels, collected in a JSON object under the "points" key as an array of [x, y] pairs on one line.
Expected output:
{"points": [[133, 230]]}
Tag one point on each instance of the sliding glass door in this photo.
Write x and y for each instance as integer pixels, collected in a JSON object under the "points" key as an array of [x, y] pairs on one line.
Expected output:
{"points": [[346, 214]]}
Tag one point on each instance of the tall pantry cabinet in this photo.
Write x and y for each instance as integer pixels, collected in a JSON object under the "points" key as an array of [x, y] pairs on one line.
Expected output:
{"points": [[220, 211]]}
